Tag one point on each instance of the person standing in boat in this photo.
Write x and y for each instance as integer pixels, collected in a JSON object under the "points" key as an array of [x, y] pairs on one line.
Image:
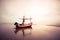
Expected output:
{"points": [[23, 20]]}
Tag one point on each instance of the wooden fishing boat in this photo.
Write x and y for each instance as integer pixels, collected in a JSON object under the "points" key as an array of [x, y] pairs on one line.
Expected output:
{"points": [[23, 25], [17, 29]]}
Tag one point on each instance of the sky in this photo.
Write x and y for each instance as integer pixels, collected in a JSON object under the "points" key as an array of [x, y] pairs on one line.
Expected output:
{"points": [[41, 11]]}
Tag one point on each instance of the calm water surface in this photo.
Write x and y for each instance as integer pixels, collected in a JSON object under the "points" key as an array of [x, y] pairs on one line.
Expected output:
{"points": [[37, 32]]}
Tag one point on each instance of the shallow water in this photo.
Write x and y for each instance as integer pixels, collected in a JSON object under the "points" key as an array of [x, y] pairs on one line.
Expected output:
{"points": [[38, 32]]}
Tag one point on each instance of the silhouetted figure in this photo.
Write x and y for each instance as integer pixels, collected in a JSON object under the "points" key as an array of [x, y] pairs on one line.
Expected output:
{"points": [[23, 20]]}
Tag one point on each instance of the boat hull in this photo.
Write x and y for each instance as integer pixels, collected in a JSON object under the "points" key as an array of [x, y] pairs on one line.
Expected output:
{"points": [[23, 26]]}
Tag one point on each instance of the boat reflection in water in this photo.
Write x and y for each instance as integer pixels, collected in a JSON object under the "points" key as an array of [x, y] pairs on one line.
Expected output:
{"points": [[22, 29], [23, 26], [35, 32]]}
